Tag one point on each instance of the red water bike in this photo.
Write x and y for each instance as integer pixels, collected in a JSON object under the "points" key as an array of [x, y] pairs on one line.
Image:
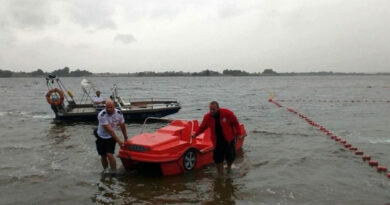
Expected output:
{"points": [[171, 148]]}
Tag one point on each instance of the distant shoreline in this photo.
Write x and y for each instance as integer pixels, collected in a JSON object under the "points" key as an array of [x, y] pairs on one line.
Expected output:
{"points": [[187, 76], [279, 75], [65, 72]]}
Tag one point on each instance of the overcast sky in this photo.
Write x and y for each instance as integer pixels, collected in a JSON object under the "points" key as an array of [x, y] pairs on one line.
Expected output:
{"points": [[194, 35]]}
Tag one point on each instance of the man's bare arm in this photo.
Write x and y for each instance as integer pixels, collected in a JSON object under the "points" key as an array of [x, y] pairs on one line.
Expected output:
{"points": [[112, 134], [124, 130]]}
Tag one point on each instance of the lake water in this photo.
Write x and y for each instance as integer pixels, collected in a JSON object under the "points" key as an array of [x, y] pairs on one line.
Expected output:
{"points": [[284, 160]]}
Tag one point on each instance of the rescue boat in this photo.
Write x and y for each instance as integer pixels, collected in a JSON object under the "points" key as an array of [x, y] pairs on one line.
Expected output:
{"points": [[63, 103], [172, 148]]}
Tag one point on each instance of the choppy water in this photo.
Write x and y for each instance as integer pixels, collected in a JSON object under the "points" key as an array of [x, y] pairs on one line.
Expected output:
{"points": [[284, 161]]}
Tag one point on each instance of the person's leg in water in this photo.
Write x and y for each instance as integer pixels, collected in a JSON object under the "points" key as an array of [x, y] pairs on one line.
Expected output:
{"points": [[103, 159], [229, 167], [219, 167], [112, 161], [110, 150], [230, 155], [218, 157]]}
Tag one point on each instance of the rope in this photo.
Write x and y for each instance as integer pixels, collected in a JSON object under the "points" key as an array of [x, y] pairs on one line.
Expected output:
{"points": [[334, 100], [366, 158]]}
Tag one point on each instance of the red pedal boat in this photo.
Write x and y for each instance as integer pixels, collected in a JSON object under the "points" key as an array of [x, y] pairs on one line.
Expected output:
{"points": [[172, 148]]}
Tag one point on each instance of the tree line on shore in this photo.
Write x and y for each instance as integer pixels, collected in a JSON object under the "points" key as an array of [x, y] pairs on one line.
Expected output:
{"points": [[65, 72]]}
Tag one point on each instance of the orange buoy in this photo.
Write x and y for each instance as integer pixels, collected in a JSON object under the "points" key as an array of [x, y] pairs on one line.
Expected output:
{"points": [[365, 158], [347, 145], [337, 139], [270, 100], [373, 163], [343, 142], [359, 153], [381, 169], [388, 175], [353, 148]]}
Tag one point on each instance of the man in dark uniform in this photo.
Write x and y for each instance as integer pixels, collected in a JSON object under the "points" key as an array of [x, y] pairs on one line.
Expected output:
{"points": [[224, 129]]}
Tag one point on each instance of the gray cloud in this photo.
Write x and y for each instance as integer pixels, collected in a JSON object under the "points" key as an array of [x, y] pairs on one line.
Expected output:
{"points": [[171, 9], [283, 35], [125, 38], [47, 54], [230, 9], [155, 9], [93, 13], [6, 37], [39, 14], [28, 14]]}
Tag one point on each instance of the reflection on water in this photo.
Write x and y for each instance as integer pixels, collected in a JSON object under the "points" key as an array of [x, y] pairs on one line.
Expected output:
{"points": [[203, 186], [222, 191]]}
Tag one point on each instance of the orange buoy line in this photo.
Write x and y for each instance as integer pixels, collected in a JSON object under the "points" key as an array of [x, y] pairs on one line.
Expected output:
{"points": [[274, 102], [357, 152], [334, 101]]}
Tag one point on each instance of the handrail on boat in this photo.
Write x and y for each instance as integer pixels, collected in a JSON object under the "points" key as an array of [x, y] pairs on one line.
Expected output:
{"points": [[153, 99]]}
